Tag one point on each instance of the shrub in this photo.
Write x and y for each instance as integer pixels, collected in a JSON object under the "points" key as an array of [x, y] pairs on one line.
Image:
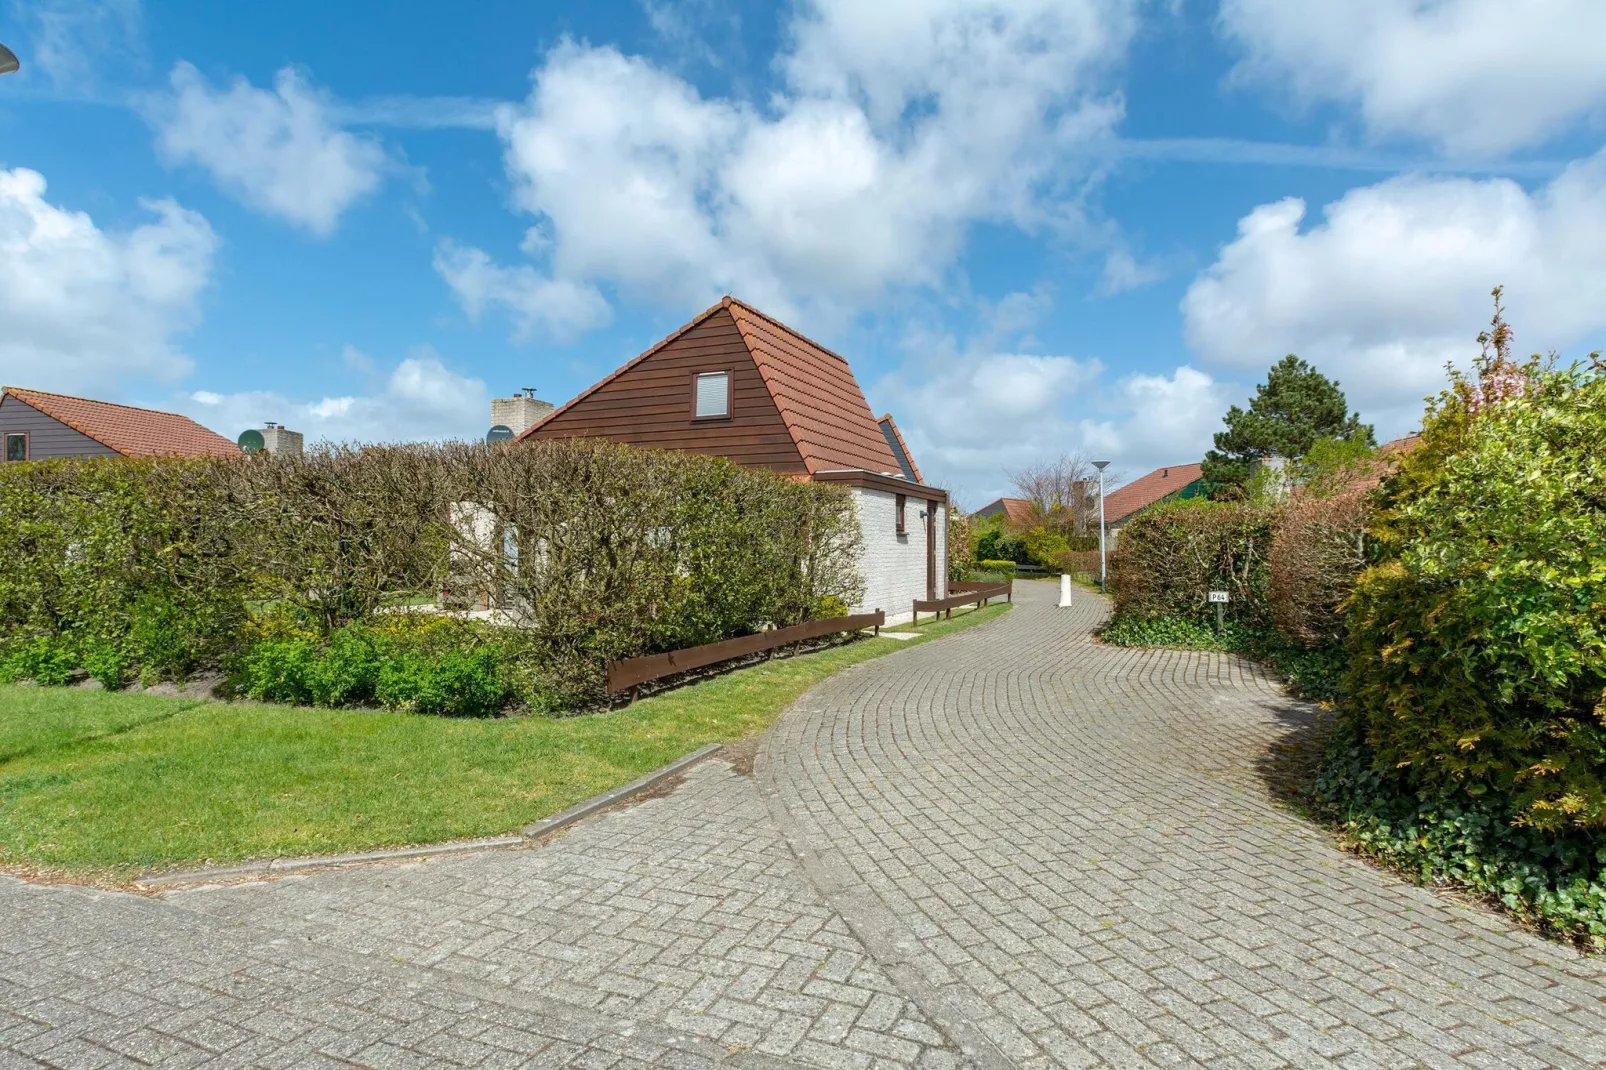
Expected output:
{"points": [[995, 544], [454, 683], [1478, 648], [1043, 546], [1171, 556], [1004, 569], [278, 670], [46, 660]]}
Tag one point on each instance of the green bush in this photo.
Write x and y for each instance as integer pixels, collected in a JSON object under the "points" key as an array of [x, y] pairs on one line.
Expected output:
{"points": [[994, 543], [1044, 546], [1003, 569], [278, 670], [46, 660], [454, 683], [1478, 648]]}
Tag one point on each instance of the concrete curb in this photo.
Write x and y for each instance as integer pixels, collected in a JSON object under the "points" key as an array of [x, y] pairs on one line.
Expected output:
{"points": [[601, 802], [157, 880]]}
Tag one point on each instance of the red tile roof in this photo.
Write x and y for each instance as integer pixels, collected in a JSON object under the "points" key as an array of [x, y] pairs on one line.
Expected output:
{"points": [[819, 400], [818, 397], [1145, 491], [1018, 512], [130, 431]]}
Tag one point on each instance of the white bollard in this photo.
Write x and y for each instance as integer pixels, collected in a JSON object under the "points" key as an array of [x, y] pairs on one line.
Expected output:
{"points": [[1065, 590]]}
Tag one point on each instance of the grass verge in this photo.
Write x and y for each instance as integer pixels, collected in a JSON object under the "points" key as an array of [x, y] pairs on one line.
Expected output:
{"points": [[103, 785]]}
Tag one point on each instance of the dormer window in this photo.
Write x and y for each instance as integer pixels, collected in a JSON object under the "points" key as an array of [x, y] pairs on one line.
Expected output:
{"points": [[711, 396]]}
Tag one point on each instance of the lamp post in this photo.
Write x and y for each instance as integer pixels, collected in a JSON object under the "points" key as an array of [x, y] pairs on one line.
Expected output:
{"points": [[8, 60], [1103, 583]]}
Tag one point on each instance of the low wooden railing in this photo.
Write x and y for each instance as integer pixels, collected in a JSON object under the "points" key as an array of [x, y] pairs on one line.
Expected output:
{"points": [[632, 672], [977, 594]]}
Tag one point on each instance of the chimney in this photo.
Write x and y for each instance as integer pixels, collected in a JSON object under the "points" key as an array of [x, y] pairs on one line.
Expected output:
{"points": [[518, 412], [276, 438]]}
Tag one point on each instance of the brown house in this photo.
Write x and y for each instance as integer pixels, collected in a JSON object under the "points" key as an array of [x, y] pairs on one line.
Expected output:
{"points": [[736, 383], [36, 426]]}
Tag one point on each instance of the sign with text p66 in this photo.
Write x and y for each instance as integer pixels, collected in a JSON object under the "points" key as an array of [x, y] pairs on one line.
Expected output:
{"points": [[1218, 596]]}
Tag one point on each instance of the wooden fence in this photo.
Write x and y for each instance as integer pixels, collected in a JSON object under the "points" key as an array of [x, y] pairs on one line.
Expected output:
{"points": [[969, 594], [632, 672]]}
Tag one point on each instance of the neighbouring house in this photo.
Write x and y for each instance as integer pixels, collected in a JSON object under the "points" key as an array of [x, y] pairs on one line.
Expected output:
{"points": [[736, 383], [35, 426], [1171, 483], [1018, 513]]}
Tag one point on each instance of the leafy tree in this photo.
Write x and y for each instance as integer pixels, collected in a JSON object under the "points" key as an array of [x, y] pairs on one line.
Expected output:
{"points": [[1291, 411]]}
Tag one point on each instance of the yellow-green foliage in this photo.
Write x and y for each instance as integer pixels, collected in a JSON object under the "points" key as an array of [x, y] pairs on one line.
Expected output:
{"points": [[1478, 647]]}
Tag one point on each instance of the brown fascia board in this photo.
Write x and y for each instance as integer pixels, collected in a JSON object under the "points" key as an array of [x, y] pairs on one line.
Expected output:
{"points": [[861, 477]]}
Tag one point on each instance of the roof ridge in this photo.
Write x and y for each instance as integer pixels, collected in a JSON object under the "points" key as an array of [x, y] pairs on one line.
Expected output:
{"points": [[20, 390], [729, 300]]}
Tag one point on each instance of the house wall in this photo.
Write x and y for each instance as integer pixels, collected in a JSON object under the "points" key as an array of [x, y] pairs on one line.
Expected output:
{"points": [[650, 404], [893, 566], [47, 436]]}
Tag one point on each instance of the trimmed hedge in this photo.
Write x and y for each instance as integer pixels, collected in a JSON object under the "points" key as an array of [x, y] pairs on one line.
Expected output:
{"points": [[588, 550], [1170, 557]]}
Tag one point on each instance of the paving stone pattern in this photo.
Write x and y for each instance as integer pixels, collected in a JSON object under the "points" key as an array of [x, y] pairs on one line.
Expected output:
{"points": [[1012, 848], [1074, 855]]}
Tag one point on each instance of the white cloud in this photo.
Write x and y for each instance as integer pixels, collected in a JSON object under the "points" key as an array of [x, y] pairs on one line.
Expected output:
{"points": [[557, 307], [898, 126], [974, 412], [1394, 281], [421, 400], [73, 42], [1475, 76], [277, 150], [81, 307]]}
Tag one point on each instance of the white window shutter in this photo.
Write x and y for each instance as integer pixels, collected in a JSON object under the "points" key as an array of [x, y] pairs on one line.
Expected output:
{"points": [[713, 394]]}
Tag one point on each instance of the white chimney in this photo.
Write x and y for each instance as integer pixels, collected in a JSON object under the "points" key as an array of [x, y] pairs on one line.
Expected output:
{"points": [[276, 438], [519, 411]]}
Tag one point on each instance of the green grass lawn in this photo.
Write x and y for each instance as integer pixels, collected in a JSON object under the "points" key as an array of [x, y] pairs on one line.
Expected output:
{"points": [[103, 785]]}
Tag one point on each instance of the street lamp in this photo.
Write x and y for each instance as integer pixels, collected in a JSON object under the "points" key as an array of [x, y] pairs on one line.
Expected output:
{"points": [[1103, 583], [8, 60]]}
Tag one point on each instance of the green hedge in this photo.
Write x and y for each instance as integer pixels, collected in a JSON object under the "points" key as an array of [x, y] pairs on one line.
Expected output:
{"points": [[1169, 558], [588, 550], [1006, 570]]}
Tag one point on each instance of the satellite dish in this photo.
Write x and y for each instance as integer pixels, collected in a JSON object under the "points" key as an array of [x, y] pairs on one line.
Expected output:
{"points": [[250, 441], [499, 433], [8, 60]]}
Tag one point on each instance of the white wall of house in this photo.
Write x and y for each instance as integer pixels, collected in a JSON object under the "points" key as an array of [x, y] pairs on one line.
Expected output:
{"points": [[894, 566]]}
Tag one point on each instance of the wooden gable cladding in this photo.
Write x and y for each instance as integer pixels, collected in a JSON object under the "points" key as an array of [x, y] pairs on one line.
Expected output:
{"points": [[648, 402]]}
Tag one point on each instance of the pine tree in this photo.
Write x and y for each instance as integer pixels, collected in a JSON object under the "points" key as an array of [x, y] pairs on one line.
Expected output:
{"points": [[1294, 408]]}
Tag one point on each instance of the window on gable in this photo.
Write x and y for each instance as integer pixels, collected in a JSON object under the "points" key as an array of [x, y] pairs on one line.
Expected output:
{"points": [[17, 446], [903, 501], [711, 396]]}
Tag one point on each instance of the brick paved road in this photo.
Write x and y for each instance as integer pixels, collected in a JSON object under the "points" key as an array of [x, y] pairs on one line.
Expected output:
{"points": [[1013, 847]]}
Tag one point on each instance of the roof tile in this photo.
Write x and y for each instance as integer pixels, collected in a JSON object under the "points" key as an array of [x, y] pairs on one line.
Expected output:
{"points": [[131, 431]]}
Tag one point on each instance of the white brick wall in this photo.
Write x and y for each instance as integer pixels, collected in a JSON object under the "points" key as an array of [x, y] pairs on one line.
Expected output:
{"points": [[893, 565]]}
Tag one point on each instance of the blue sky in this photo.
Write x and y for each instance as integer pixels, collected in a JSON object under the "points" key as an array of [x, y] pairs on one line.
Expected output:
{"points": [[1034, 227]]}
